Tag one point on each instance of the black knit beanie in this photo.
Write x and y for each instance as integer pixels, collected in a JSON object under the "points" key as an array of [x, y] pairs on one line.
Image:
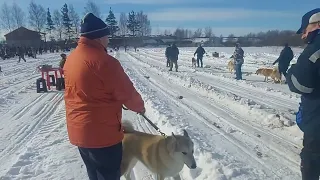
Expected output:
{"points": [[93, 27]]}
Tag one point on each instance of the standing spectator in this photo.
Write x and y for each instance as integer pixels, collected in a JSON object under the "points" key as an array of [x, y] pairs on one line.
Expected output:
{"points": [[63, 60], [284, 60], [238, 60], [200, 52], [21, 54], [303, 78], [174, 56], [96, 87], [33, 52], [167, 54]]}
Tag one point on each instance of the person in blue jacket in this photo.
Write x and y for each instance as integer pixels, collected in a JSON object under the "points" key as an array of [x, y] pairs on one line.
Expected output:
{"points": [[238, 57], [200, 52], [304, 78]]}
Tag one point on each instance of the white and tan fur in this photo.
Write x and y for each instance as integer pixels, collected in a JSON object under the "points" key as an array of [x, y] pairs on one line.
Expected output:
{"points": [[194, 62], [163, 156], [231, 65], [272, 73]]}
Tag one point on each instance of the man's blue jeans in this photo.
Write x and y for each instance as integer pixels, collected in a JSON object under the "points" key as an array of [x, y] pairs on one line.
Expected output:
{"points": [[238, 71]]}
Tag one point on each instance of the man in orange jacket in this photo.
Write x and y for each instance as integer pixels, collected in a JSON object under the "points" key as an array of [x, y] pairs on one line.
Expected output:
{"points": [[96, 87]]}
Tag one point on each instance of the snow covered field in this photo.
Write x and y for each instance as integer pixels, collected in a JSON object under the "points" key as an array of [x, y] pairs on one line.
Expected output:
{"points": [[241, 129]]}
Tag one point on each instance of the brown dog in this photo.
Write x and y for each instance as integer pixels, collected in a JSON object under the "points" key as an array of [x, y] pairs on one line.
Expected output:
{"points": [[268, 72], [231, 65]]}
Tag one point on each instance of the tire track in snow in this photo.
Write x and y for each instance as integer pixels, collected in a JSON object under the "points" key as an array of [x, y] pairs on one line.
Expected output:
{"points": [[213, 131], [23, 110], [26, 165], [229, 118], [205, 119], [278, 152], [178, 78], [263, 98], [39, 115]]}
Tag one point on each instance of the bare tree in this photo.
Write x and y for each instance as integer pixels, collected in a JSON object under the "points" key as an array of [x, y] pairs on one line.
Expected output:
{"points": [[208, 32], [92, 7], [144, 27], [57, 20], [37, 16], [18, 15], [74, 17], [167, 32], [179, 33], [198, 33], [123, 24], [6, 17]]}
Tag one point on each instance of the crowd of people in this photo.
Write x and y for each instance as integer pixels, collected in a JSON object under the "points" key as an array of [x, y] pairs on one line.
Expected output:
{"points": [[7, 52]]}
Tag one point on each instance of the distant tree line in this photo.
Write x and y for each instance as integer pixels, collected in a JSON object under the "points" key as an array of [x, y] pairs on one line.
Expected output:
{"points": [[269, 38], [65, 22]]}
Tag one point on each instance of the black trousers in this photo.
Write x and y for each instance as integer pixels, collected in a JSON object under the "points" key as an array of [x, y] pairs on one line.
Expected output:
{"points": [[283, 70], [22, 57], [175, 65], [168, 62], [103, 163], [199, 61], [310, 159]]}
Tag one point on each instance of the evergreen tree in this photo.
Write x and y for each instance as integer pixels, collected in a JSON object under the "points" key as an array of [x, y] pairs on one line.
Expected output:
{"points": [[112, 22], [50, 24], [133, 25], [66, 21]]}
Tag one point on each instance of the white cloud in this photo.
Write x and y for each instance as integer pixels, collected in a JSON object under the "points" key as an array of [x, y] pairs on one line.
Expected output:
{"points": [[213, 14]]}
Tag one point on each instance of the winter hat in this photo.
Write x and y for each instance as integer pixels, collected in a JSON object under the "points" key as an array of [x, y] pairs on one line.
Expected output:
{"points": [[312, 16], [93, 27]]}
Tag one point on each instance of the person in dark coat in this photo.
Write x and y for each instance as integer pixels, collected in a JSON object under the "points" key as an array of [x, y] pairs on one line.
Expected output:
{"points": [[304, 78], [21, 54], [63, 60], [167, 55], [284, 60], [238, 61], [173, 56], [200, 52]]}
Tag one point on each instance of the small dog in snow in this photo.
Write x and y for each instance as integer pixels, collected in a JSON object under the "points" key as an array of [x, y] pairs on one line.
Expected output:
{"points": [[231, 65], [268, 72], [194, 62]]}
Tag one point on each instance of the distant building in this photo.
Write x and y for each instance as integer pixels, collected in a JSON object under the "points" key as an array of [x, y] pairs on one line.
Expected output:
{"points": [[23, 37]]}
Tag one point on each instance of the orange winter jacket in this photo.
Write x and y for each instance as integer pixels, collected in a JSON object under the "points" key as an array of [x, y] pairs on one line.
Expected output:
{"points": [[96, 87]]}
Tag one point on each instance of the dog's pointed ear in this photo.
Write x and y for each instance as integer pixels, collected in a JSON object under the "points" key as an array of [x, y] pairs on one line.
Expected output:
{"points": [[185, 133], [172, 144], [174, 135]]}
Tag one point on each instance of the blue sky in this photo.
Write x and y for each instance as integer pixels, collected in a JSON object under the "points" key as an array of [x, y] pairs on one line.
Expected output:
{"points": [[225, 16]]}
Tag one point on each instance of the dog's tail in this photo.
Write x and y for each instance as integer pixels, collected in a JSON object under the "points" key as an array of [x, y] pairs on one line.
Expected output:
{"points": [[128, 126]]}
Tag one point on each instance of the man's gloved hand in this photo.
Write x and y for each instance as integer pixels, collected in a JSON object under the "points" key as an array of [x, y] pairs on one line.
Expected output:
{"points": [[142, 112]]}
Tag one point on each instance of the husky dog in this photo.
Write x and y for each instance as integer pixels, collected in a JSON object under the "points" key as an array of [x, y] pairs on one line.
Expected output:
{"points": [[164, 156]]}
